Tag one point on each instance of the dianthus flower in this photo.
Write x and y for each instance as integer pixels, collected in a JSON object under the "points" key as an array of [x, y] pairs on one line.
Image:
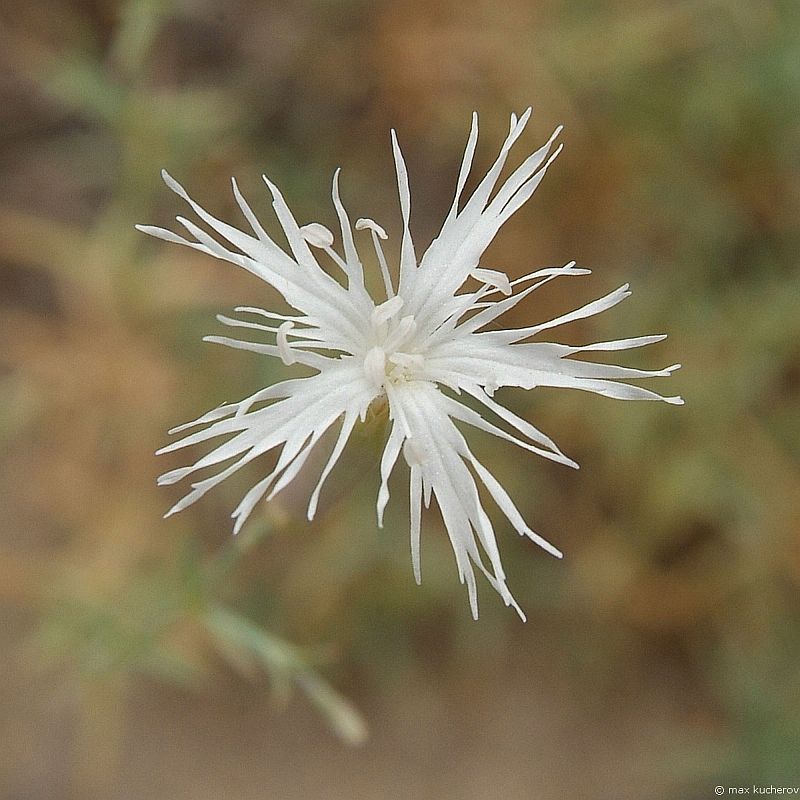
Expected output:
{"points": [[421, 351]]}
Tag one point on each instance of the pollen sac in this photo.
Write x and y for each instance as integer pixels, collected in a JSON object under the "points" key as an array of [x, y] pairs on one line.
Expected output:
{"points": [[317, 235], [370, 224]]}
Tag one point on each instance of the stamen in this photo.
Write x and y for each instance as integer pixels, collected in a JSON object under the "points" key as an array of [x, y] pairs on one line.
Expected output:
{"points": [[317, 235], [552, 272], [494, 278], [378, 232], [284, 349], [365, 223]]}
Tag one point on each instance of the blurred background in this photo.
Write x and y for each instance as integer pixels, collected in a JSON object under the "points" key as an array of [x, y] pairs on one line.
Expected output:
{"points": [[147, 659]]}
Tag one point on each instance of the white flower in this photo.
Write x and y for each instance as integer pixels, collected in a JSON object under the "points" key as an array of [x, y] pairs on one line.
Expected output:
{"points": [[421, 350]]}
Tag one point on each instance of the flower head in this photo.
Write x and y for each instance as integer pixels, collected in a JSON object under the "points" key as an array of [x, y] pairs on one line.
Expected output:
{"points": [[421, 349]]}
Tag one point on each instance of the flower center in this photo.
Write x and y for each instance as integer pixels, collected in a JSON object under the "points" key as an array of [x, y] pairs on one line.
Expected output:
{"points": [[397, 367], [392, 359]]}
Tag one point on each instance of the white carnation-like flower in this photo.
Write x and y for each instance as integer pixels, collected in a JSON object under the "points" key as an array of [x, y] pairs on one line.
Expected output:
{"points": [[420, 351]]}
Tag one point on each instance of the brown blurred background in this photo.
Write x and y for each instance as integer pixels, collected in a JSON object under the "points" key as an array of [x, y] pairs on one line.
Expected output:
{"points": [[145, 659]]}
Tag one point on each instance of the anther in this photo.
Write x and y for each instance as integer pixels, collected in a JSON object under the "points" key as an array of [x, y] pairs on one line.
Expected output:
{"points": [[284, 349]]}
